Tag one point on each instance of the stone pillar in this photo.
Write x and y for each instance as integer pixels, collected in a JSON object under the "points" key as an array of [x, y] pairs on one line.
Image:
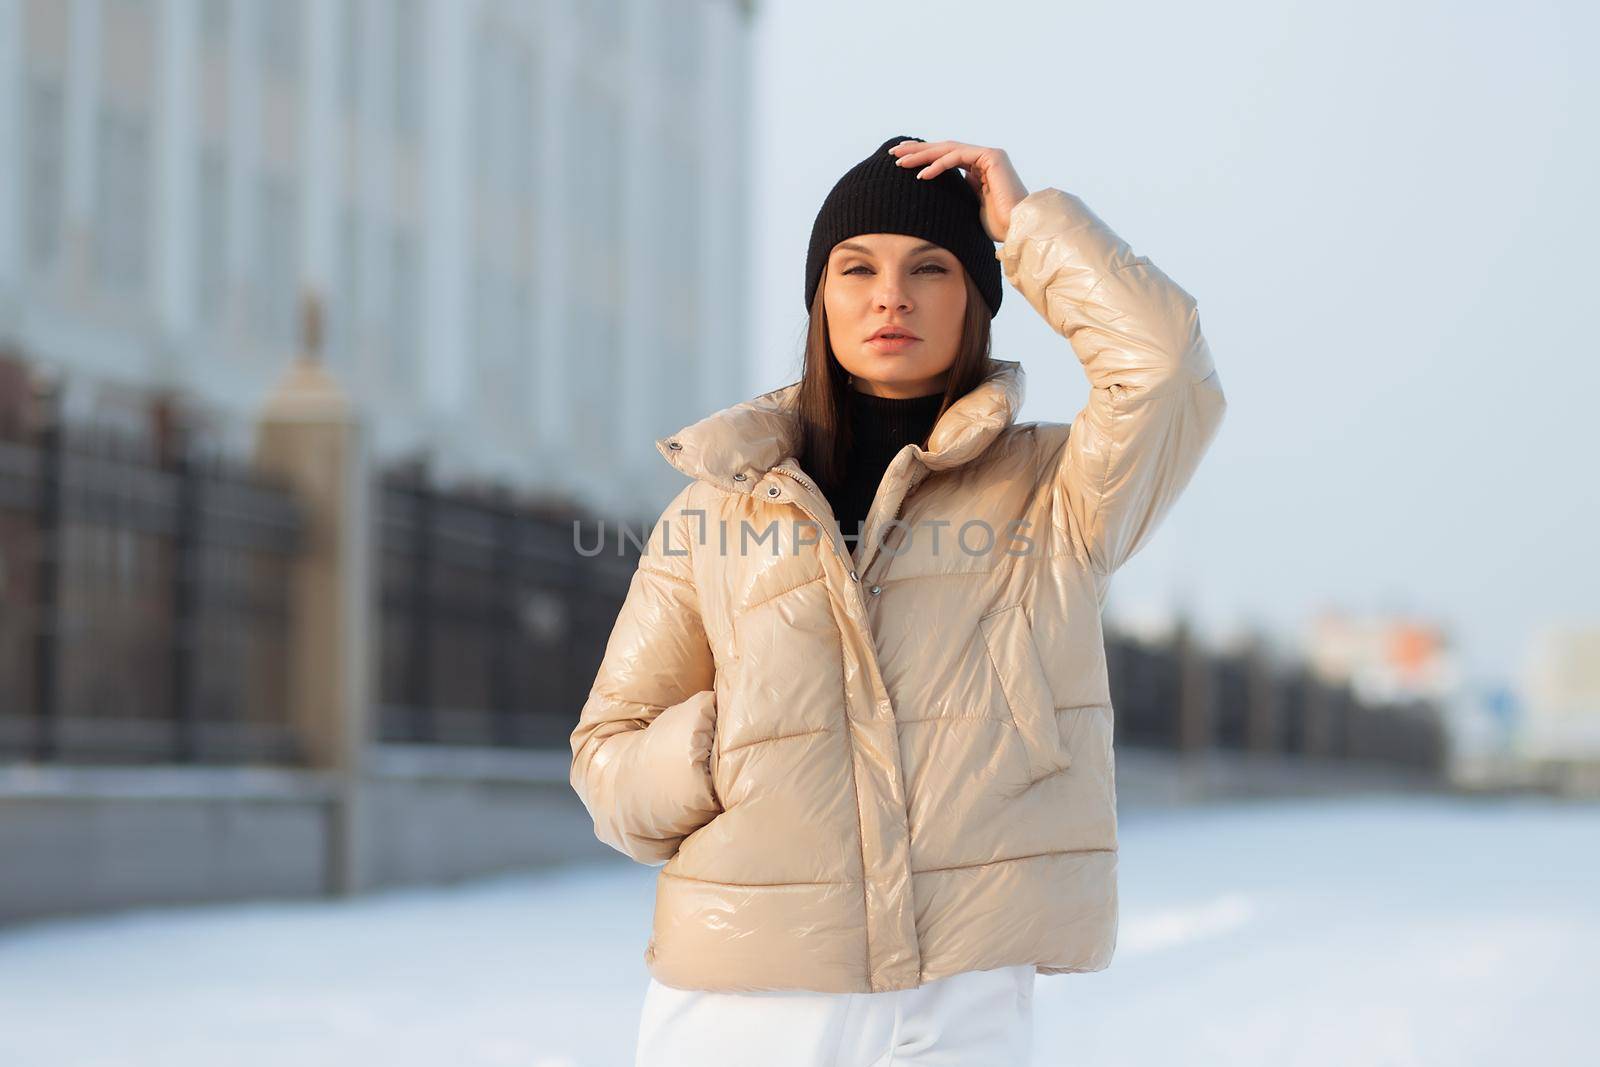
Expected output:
{"points": [[311, 438]]}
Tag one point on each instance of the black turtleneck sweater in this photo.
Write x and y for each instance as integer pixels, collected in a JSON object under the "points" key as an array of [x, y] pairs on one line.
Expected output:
{"points": [[880, 427]]}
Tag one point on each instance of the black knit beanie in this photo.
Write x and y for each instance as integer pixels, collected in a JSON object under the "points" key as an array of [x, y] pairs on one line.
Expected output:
{"points": [[878, 195]]}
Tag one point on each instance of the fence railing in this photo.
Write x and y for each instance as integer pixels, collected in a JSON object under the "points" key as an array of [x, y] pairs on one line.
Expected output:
{"points": [[1174, 695], [491, 624], [146, 597], [142, 602]]}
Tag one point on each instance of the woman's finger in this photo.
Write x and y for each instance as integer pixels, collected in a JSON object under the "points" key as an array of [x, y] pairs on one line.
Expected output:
{"points": [[965, 155], [920, 146], [920, 151]]}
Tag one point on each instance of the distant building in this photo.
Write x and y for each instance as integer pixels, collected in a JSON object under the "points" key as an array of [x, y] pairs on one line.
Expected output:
{"points": [[1561, 696], [1384, 658], [526, 219]]}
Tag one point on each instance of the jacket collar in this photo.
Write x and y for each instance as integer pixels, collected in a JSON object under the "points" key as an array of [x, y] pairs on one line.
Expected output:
{"points": [[753, 437]]}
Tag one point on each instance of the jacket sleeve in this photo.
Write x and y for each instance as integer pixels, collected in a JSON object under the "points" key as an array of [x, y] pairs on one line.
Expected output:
{"points": [[641, 749], [1155, 399]]}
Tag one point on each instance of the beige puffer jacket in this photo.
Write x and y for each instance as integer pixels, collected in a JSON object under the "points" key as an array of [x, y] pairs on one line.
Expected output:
{"points": [[863, 775]]}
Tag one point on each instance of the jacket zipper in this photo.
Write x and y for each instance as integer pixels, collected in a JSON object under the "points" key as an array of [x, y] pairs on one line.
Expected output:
{"points": [[901, 507], [877, 547], [799, 478], [826, 527]]}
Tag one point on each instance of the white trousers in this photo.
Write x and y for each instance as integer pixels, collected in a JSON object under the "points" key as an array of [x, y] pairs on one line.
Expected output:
{"points": [[972, 1019]]}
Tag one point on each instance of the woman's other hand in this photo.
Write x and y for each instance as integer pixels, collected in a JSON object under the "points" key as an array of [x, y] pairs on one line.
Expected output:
{"points": [[987, 170]]}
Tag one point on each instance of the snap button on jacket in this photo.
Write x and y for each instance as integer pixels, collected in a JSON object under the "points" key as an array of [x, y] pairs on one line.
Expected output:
{"points": [[864, 772]]}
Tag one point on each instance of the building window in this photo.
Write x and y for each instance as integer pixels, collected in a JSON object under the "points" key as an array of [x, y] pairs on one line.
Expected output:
{"points": [[276, 274], [681, 273], [680, 49], [351, 28], [214, 22], [211, 237], [503, 169], [122, 206], [346, 309], [601, 20], [404, 314], [408, 74], [45, 171], [595, 240], [280, 36]]}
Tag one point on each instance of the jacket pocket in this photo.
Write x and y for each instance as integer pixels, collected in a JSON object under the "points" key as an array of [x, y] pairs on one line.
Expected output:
{"points": [[1017, 665]]}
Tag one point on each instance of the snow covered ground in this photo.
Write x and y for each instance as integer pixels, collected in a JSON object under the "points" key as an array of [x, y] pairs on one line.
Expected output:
{"points": [[1384, 932]]}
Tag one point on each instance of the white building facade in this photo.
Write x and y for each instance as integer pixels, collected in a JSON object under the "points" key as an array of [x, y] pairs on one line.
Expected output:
{"points": [[525, 219]]}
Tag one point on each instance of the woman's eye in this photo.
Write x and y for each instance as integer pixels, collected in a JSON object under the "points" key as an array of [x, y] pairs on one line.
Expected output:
{"points": [[925, 266]]}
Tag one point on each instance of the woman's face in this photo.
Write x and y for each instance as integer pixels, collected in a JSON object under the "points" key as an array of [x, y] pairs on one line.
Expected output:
{"points": [[882, 279]]}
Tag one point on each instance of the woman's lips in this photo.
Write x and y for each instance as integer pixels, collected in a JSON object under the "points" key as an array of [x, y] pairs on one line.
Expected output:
{"points": [[893, 344]]}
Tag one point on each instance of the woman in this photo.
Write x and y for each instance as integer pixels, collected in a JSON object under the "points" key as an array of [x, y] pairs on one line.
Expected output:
{"points": [[879, 769]]}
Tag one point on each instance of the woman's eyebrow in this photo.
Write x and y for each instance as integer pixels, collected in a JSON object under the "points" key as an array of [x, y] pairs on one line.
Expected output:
{"points": [[851, 246]]}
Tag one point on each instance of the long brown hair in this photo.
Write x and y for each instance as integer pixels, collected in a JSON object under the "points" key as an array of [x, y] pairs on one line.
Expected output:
{"points": [[820, 401]]}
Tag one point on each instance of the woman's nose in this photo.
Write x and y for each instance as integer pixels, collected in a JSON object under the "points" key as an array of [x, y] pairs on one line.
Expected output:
{"points": [[893, 296]]}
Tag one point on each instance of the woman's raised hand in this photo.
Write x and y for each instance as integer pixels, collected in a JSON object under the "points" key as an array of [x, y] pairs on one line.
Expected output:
{"points": [[987, 170]]}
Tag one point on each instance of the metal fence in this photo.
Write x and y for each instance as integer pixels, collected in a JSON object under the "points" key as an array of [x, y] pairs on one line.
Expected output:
{"points": [[492, 625], [1172, 695], [142, 599], [144, 616]]}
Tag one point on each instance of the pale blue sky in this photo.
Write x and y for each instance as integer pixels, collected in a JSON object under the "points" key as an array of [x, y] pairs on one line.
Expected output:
{"points": [[1386, 212]]}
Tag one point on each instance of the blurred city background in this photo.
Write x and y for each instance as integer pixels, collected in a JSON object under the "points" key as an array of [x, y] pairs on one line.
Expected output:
{"points": [[326, 325]]}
